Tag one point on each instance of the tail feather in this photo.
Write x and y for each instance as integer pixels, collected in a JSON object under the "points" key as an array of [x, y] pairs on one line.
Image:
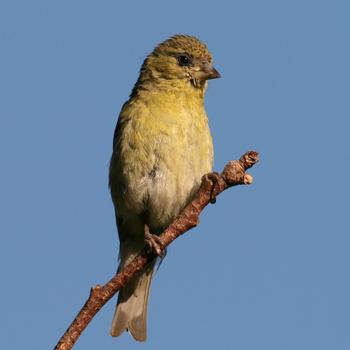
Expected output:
{"points": [[131, 311]]}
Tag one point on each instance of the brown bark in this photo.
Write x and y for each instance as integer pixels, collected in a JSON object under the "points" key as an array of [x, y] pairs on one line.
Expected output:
{"points": [[212, 185]]}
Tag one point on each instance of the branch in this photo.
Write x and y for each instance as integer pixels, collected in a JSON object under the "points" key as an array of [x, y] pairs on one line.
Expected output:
{"points": [[212, 185]]}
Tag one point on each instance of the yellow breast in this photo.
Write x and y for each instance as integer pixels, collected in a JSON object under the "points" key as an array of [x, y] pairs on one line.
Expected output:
{"points": [[164, 147]]}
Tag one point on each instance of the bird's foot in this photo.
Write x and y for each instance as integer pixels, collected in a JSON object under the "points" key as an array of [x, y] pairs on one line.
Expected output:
{"points": [[217, 181], [154, 243]]}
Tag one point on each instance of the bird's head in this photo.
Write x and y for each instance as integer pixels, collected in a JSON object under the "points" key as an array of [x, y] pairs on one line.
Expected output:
{"points": [[179, 59]]}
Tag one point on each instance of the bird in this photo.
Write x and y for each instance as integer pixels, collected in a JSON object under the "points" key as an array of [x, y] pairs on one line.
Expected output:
{"points": [[162, 146]]}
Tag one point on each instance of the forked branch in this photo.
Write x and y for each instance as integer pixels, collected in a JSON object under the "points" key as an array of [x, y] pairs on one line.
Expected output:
{"points": [[213, 184]]}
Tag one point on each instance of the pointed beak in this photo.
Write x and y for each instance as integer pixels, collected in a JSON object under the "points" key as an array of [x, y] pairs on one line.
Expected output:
{"points": [[205, 71], [212, 73]]}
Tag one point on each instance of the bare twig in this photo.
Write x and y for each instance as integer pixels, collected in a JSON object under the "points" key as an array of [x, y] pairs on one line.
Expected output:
{"points": [[212, 185]]}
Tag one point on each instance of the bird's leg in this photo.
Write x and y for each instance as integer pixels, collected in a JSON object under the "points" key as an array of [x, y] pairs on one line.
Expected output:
{"points": [[217, 181], [153, 242]]}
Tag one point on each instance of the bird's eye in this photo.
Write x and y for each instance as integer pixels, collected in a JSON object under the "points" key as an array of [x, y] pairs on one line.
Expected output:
{"points": [[184, 60]]}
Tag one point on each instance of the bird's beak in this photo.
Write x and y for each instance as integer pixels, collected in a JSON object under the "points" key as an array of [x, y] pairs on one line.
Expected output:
{"points": [[205, 71], [211, 73]]}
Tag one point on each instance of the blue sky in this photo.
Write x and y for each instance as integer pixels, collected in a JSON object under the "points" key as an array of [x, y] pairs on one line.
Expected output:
{"points": [[268, 268]]}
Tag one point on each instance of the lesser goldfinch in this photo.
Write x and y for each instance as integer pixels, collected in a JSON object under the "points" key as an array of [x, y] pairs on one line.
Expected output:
{"points": [[162, 147]]}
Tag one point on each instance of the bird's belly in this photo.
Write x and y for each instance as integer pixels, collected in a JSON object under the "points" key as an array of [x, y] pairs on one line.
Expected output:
{"points": [[171, 187], [162, 165]]}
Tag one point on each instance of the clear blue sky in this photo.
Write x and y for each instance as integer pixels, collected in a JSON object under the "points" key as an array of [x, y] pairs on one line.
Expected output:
{"points": [[268, 268]]}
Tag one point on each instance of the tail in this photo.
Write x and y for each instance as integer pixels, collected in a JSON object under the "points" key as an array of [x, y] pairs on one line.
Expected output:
{"points": [[131, 311]]}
